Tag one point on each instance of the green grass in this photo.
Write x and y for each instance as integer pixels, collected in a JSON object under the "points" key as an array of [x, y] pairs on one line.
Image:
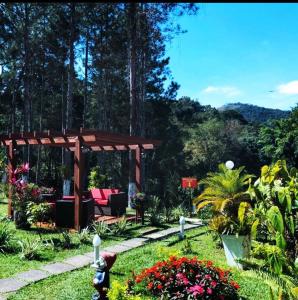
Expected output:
{"points": [[78, 284], [11, 264]]}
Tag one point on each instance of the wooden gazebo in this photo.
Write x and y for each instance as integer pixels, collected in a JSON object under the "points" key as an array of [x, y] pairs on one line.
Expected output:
{"points": [[76, 141]]}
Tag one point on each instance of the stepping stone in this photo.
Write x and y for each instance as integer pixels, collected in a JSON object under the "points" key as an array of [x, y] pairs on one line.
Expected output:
{"points": [[58, 268], [32, 275], [89, 254], [79, 261], [134, 243], [117, 248], [11, 284]]}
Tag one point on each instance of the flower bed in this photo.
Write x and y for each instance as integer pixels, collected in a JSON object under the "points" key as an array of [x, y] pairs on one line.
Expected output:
{"points": [[185, 278]]}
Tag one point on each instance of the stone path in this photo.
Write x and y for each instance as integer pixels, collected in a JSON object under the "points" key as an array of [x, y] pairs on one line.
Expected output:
{"points": [[12, 284]]}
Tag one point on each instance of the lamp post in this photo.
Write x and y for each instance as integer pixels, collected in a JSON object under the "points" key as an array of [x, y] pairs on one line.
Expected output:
{"points": [[96, 244], [182, 223], [229, 164]]}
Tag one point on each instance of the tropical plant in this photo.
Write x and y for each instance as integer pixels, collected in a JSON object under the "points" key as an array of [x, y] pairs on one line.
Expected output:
{"points": [[226, 191], [101, 228], [30, 249], [6, 237], [39, 212], [274, 194], [154, 210], [118, 291], [120, 226], [185, 278], [66, 239], [96, 179], [281, 286], [84, 236]]}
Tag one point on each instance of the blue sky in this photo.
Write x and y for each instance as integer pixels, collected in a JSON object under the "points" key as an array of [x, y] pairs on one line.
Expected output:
{"points": [[241, 52]]}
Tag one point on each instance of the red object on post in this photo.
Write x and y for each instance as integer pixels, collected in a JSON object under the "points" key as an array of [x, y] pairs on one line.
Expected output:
{"points": [[189, 182]]}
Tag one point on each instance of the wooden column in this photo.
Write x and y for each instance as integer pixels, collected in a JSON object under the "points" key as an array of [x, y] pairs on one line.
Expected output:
{"points": [[78, 172], [138, 168], [11, 167]]}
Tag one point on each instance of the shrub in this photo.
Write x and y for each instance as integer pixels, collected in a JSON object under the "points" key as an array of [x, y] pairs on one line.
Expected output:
{"points": [[185, 278], [120, 227], [118, 291], [101, 228], [177, 212], [154, 210], [66, 239], [30, 249], [6, 236], [39, 212], [84, 236]]}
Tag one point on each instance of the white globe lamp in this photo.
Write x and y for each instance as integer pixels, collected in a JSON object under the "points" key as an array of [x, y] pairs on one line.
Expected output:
{"points": [[229, 164]]}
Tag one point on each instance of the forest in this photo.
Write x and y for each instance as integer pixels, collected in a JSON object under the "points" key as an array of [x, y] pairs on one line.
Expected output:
{"points": [[105, 66]]}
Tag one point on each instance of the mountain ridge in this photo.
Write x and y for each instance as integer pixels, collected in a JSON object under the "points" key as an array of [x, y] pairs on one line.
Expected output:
{"points": [[255, 113]]}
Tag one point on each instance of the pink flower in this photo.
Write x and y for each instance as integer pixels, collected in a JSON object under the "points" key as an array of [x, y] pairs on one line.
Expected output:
{"points": [[196, 289], [209, 291], [213, 284], [207, 276]]}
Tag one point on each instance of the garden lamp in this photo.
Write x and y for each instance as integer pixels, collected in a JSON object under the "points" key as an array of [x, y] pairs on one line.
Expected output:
{"points": [[96, 244], [182, 223], [229, 164]]}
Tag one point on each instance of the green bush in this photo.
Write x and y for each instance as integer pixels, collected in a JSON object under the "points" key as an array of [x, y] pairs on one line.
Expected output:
{"points": [[96, 179], [154, 210], [120, 227], [39, 212], [30, 249], [6, 237], [101, 228], [84, 236]]}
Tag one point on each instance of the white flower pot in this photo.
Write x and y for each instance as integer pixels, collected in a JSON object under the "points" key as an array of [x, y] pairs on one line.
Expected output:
{"points": [[236, 247]]}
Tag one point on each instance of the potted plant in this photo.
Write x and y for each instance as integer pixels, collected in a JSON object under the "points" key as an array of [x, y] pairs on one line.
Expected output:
{"points": [[226, 191], [138, 202]]}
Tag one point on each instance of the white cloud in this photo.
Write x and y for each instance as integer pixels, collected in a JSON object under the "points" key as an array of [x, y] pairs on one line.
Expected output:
{"points": [[228, 91], [290, 88]]}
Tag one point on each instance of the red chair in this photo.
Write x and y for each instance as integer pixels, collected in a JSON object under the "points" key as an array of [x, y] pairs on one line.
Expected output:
{"points": [[110, 202]]}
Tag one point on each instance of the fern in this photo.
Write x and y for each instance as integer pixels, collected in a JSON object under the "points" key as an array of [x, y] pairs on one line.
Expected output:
{"points": [[282, 285]]}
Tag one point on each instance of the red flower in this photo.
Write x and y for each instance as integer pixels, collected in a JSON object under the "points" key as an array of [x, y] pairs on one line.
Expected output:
{"points": [[159, 286], [235, 285], [150, 285]]}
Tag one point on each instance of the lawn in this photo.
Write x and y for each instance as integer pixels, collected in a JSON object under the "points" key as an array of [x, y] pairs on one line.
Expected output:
{"points": [[11, 263], [78, 284]]}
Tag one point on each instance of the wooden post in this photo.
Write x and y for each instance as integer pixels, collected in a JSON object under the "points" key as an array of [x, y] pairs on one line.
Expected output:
{"points": [[11, 166], [138, 169], [78, 166], [138, 182]]}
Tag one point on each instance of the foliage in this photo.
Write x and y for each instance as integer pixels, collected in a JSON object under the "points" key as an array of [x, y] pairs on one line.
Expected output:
{"points": [[281, 286], [254, 113], [120, 226], [6, 237], [118, 291], [274, 194], [101, 228], [38, 212], [187, 248], [138, 200], [185, 278], [66, 239], [96, 179], [30, 249], [225, 190], [46, 190], [177, 212], [274, 259], [84, 236], [154, 210]]}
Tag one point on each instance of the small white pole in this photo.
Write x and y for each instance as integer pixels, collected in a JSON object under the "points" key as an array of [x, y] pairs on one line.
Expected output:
{"points": [[182, 222], [96, 244]]}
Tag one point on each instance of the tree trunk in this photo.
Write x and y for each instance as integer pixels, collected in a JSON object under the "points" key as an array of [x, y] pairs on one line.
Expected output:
{"points": [[86, 78]]}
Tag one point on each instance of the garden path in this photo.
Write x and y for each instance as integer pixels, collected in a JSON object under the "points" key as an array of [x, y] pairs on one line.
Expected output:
{"points": [[13, 284]]}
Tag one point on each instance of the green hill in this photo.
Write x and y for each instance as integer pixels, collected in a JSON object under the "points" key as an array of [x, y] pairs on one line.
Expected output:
{"points": [[254, 113]]}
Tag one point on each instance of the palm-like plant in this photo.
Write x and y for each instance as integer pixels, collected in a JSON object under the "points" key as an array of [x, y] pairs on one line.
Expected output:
{"points": [[226, 191]]}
